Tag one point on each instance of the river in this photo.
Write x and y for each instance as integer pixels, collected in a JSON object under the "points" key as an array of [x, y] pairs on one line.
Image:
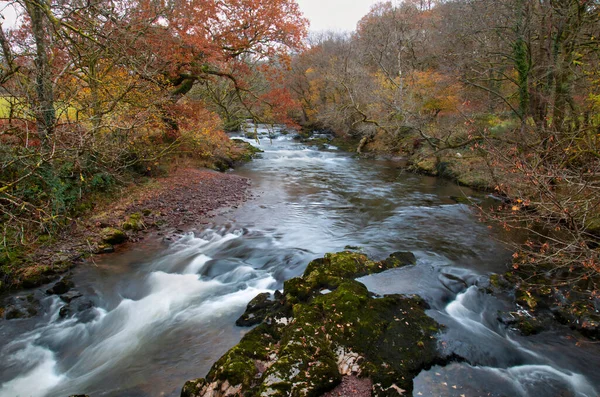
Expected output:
{"points": [[161, 313]]}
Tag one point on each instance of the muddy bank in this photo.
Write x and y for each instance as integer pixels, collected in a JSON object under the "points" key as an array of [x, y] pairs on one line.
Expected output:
{"points": [[185, 197]]}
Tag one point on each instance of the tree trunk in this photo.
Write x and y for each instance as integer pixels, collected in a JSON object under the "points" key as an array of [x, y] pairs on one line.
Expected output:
{"points": [[45, 113]]}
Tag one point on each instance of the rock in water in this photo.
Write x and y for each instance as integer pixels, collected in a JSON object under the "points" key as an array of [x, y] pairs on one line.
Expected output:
{"points": [[311, 340], [257, 310], [61, 287]]}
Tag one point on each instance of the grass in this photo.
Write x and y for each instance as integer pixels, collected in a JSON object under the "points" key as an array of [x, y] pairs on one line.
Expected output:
{"points": [[21, 109]]}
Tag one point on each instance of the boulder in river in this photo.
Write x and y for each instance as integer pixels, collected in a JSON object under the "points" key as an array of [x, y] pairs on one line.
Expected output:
{"points": [[21, 307], [259, 308], [325, 327], [62, 286]]}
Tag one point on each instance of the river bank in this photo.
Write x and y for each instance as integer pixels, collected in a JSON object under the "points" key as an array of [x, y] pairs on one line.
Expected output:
{"points": [[160, 207], [184, 196]]}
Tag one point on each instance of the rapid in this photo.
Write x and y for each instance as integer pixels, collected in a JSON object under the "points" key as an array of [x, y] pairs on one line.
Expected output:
{"points": [[163, 311]]}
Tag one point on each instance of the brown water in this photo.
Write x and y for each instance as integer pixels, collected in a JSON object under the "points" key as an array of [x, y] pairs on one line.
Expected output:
{"points": [[163, 313]]}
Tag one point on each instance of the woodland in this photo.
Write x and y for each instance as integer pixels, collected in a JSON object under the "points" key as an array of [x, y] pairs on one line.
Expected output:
{"points": [[501, 95]]}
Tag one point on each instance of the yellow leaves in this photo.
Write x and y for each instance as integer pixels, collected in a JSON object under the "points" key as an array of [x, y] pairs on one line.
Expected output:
{"points": [[432, 91], [515, 208]]}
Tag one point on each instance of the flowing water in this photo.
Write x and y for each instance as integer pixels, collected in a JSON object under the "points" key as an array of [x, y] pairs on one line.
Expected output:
{"points": [[161, 313]]}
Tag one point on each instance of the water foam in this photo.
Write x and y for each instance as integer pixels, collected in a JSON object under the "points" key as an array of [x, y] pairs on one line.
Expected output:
{"points": [[38, 380]]}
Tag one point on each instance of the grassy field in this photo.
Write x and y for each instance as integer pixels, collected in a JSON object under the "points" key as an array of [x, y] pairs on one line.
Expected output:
{"points": [[5, 105], [21, 109]]}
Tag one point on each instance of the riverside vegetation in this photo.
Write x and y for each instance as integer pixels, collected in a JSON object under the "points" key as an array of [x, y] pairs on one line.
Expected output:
{"points": [[97, 97]]}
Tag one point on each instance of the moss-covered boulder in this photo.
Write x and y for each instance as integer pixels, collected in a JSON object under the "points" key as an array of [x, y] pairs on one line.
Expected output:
{"points": [[325, 326], [134, 223], [113, 236], [243, 151], [259, 308]]}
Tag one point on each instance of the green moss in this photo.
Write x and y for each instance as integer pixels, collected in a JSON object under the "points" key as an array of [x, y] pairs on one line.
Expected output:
{"points": [[495, 280], [192, 388], [346, 264], [393, 335], [35, 276], [297, 289], [526, 298], [134, 222], [113, 236], [528, 327]]}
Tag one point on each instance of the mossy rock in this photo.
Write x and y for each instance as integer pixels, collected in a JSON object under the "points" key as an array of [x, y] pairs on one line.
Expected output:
{"points": [[399, 259], [245, 150], [301, 347], [113, 236], [35, 276], [193, 387], [346, 264], [135, 223], [259, 308], [526, 299]]}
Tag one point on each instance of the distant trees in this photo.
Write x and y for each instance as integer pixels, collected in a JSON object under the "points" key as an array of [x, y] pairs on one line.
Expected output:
{"points": [[383, 80]]}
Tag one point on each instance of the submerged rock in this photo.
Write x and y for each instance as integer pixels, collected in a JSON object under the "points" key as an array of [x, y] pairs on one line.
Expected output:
{"points": [[21, 307], [309, 341]]}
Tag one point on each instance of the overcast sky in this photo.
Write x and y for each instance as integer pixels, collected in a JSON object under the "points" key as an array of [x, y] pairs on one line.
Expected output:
{"points": [[337, 15]]}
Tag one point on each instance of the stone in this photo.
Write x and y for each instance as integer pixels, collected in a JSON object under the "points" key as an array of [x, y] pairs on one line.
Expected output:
{"points": [[64, 311], [71, 295], [401, 258], [310, 341], [61, 287], [104, 249], [113, 236], [256, 310]]}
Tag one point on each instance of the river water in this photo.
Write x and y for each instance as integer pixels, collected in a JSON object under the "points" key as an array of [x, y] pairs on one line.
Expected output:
{"points": [[161, 313]]}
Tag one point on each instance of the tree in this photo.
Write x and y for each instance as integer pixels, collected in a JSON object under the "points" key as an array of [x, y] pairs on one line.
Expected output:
{"points": [[107, 82]]}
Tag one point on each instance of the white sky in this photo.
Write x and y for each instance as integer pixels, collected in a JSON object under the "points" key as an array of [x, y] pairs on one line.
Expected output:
{"points": [[336, 15]]}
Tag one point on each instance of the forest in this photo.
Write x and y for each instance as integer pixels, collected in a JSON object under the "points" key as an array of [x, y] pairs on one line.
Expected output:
{"points": [[452, 144], [500, 95], [97, 94]]}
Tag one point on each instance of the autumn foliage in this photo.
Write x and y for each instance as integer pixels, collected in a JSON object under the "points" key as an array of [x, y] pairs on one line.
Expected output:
{"points": [[499, 95], [96, 92]]}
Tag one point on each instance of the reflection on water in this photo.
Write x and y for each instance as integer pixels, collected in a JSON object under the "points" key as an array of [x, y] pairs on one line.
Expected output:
{"points": [[160, 315]]}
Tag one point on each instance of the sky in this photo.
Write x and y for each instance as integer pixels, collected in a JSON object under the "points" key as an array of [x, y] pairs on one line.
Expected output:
{"points": [[336, 15]]}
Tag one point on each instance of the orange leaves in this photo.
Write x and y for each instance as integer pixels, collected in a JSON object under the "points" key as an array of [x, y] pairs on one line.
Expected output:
{"points": [[219, 31], [433, 92]]}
